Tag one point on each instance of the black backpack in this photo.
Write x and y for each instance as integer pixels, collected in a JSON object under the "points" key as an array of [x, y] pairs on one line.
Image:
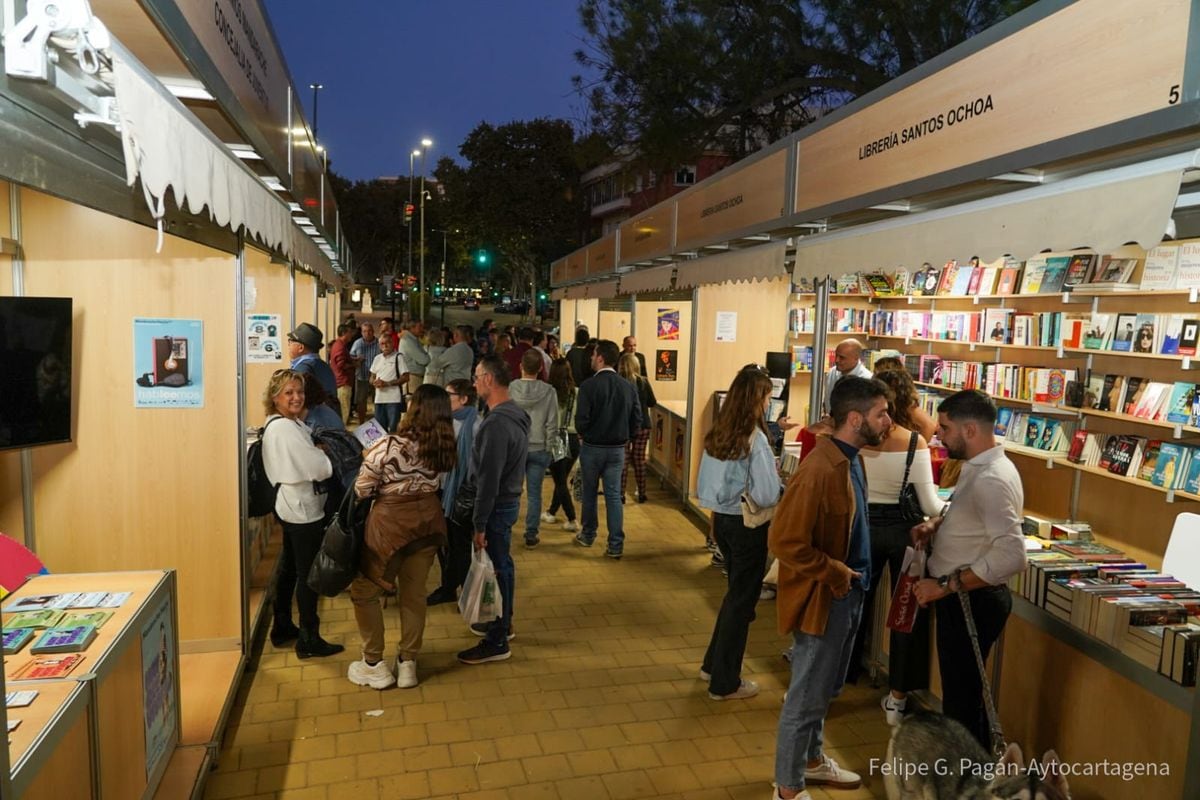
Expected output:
{"points": [[260, 492]]}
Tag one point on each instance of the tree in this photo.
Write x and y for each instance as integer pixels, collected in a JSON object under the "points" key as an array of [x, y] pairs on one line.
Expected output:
{"points": [[676, 77], [515, 197]]}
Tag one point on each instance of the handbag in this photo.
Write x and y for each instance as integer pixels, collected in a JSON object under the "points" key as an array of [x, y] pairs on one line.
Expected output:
{"points": [[754, 515], [560, 444], [910, 504], [336, 563], [902, 613], [462, 513]]}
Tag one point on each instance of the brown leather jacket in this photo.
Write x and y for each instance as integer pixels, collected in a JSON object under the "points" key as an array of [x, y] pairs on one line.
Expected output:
{"points": [[810, 535], [400, 524]]}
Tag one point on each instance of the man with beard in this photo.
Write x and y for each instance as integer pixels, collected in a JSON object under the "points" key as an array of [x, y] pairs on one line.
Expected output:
{"points": [[978, 547], [821, 538]]}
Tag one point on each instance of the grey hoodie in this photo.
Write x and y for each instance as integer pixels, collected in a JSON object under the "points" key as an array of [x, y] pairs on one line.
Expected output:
{"points": [[540, 402], [498, 459]]}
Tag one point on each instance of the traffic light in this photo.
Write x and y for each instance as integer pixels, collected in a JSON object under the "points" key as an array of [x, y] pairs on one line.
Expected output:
{"points": [[483, 258], [409, 208], [437, 290]]}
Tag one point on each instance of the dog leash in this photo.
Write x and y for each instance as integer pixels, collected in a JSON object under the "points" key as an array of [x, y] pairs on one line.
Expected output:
{"points": [[989, 703]]}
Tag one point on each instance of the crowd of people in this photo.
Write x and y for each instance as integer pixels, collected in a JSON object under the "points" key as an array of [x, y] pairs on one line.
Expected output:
{"points": [[474, 419]]}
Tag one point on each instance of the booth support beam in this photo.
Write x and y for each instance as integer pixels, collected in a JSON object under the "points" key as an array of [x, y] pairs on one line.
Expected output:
{"points": [[18, 283], [239, 303]]}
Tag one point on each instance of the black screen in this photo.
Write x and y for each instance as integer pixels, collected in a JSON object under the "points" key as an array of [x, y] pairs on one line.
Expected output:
{"points": [[35, 371]]}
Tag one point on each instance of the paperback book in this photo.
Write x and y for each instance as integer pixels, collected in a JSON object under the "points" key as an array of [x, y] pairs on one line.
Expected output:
{"points": [[47, 667], [15, 638], [47, 618], [64, 640]]}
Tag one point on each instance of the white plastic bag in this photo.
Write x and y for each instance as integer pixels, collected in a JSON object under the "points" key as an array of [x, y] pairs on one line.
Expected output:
{"points": [[480, 600]]}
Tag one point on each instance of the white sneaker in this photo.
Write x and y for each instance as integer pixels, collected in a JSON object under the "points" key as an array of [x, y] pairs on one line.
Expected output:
{"points": [[804, 795], [830, 774], [705, 675], [747, 689], [570, 526], [376, 675], [549, 518], [767, 592], [893, 709], [406, 674]]}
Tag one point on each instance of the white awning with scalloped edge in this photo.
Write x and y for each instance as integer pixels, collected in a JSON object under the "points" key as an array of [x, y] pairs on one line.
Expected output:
{"points": [[604, 290], [654, 279], [763, 262], [1101, 210]]}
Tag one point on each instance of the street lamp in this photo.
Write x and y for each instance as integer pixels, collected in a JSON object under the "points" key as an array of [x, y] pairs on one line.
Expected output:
{"points": [[411, 156], [442, 280], [316, 87], [426, 143]]}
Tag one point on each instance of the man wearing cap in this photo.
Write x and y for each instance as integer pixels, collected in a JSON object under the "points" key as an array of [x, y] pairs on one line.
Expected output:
{"points": [[303, 345]]}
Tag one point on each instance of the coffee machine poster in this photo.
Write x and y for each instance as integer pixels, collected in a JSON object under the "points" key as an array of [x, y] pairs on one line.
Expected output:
{"points": [[264, 339], [168, 363]]}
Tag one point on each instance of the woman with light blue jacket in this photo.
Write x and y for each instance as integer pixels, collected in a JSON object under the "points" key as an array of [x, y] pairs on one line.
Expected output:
{"points": [[738, 459]]}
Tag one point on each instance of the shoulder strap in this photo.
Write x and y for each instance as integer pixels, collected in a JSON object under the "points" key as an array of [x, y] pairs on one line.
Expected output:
{"points": [[912, 451]]}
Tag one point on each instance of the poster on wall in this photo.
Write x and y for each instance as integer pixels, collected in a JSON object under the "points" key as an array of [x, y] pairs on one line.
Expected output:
{"points": [[159, 703], [250, 295], [665, 363], [668, 324], [264, 340], [726, 326], [168, 363]]}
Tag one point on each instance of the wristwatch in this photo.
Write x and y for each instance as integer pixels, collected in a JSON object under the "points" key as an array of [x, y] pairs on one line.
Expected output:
{"points": [[944, 582]]}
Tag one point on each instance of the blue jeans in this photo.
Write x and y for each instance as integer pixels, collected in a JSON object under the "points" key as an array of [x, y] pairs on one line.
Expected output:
{"points": [[536, 464], [499, 545], [388, 415], [605, 463], [819, 666]]}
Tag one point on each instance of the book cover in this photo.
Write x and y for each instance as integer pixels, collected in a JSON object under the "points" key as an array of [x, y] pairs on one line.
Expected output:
{"points": [[879, 284], [1189, 337], [1179, 407], [64, 640], [15, 638], [1122, 454], [1003, 418], [1144, 333], [1189, 266], [1093, 393], [1170, 457], [963, 276], [1035, 268], [976, 277], [1114, 391], [48, 667], [996, 323], [1078, 440], [1098, 332], [47, 618], [93, 618], [1079, 270], [1008, 281], [1135, 390], [925, 282], [1191, 483], [948, 275], [1149, 460], [1160, 269], [1033, 431], [1172, 331], [900, 285], [1054, 275], [31, 603], [1122, 341], [1114, 271], [1050, 430]]}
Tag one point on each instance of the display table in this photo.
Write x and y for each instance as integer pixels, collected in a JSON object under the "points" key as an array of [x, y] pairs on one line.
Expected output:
{"points": [[108, 726], [668, 440]]}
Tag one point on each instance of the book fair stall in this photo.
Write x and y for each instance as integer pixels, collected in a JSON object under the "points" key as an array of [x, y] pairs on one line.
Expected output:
{"points": [[1014, 218], [152, 303]]}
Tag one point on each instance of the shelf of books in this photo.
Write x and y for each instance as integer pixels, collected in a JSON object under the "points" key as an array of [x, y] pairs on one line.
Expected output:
{"points": [[104, 641]]}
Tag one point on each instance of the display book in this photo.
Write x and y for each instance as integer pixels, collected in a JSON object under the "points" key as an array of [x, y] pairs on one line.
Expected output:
{"points": [[989, 327], [1033, 384], [58, 628]]}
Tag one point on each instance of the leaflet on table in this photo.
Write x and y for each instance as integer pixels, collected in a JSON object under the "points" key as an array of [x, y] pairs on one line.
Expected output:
{"points": [[34, 619], [13, 724], [68, 600], [20, 699], [16, 638], [47, 667], [64, 640]]}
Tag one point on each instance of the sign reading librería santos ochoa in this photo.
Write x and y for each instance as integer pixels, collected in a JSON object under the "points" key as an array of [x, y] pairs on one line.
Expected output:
{"points": [[1090, 64]]}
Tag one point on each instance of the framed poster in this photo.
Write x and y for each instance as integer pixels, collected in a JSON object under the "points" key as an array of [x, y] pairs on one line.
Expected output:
{"points": [[264, 339], [160, 703], [168, 363], [666, 365], [668, 324]]}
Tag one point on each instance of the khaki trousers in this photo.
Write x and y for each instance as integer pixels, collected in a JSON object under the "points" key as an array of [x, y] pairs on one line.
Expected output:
{"points": [[344, 394], [409, 572]]}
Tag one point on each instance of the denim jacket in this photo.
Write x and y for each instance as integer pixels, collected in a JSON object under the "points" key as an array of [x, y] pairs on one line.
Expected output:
{"points": [[720, 484]]}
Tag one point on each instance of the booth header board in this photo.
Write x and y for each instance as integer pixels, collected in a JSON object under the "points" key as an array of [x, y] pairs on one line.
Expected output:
{"points": [[602, 256], [732, 201], [558, 271], [648, 235], [1030, 88], [576, 265]]}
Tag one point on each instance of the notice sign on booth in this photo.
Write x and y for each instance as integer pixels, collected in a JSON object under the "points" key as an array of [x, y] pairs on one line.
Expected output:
{"points": [[168, 363], [726, 326], [264, 339]]}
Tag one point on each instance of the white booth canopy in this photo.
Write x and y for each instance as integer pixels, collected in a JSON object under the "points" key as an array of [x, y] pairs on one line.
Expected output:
{"points": [[1100, 210], [168, 149], [763, 262], [604, 290], [653, 279]]}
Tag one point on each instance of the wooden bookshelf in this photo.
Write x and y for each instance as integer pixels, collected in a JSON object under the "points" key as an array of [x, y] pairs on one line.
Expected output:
{"points": [[998, 398], [1153, 423], [1103, 473], [1049, 456], [1121, 354], [964, 343]]}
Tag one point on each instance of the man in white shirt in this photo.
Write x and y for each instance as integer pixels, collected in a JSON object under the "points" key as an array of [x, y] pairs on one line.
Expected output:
{"points": [[847, 360], [389, 373], [978, 545]]}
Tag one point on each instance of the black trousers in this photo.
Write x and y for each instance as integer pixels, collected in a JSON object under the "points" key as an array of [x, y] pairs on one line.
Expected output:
{"points": [[745, 551], [301, 543], [559, 471], [908, 653], [962, 687], [455, 557]]}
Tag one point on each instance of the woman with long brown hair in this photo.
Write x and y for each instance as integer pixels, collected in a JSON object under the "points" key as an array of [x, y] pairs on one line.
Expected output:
{"points": [[405, 528], [563, 383], [635, 452], [738, 460]]}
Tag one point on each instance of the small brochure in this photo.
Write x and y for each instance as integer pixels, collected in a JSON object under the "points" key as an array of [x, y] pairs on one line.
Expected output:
{"points": [[47, 618], [15, 639], [64, 640], [114, 599], [50, 667], [20, 699], [31, 603], [93, 618], [13, 724]]}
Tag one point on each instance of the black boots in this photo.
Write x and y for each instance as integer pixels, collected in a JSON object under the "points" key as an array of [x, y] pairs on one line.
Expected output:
{"points": [[284, 632], [310, 645]]}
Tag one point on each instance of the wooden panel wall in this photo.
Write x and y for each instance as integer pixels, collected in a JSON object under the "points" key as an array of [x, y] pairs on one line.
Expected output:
{"points": [[121, 737], [139, 488], [67, 772], [273, 297], [5, 221], [615, 325], [587, 312], [646, 331], [306, 303], [717, 362]]}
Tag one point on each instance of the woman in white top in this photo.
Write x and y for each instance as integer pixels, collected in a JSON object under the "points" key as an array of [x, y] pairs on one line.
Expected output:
{"points": [[296, 467], [389, 376], [908, 656]]}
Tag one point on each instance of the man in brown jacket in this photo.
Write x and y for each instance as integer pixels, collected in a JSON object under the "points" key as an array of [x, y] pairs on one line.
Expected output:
{"points": [[821, 538]]}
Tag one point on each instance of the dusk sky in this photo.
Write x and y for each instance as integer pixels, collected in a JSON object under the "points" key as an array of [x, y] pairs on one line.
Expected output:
{"points": [[395, 72]]}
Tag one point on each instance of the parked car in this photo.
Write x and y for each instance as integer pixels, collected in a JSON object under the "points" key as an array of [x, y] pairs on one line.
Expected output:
{"points": [[470, 303]]}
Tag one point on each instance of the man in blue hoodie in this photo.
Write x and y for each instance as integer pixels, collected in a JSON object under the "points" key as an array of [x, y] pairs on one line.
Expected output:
{"points": [[498, 464]]}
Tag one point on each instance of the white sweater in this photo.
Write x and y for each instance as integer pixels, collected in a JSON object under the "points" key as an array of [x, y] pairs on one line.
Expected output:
{"points": [[885, 472], [294, 462]]}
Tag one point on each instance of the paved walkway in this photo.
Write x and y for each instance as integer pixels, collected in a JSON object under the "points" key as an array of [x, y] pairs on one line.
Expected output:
{"points": [[600, 699]]}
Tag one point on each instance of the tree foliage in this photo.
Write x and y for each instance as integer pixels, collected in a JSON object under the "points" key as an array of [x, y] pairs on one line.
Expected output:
{"points": [[675, 77]]}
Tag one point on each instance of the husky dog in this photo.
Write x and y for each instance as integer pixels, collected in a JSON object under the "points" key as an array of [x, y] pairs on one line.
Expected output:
{"points": [[931, 757]]}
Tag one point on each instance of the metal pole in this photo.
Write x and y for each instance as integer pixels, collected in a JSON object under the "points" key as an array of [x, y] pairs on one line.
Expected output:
{"points": [[411, 155], [316, 87], [421, 281], [442, 280], [18, 289]]}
